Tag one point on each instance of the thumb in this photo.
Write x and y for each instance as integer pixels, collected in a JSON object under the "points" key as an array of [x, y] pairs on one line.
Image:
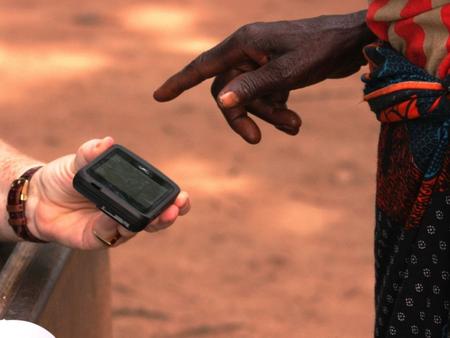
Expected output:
{"points": [[274, 76], [90, 150]]}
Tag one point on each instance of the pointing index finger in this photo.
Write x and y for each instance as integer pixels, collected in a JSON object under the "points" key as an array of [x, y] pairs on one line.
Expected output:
{"points": [[208, 64]]}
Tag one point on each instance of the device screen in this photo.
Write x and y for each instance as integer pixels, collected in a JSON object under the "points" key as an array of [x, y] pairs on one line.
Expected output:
{"points": [[132, 182]]}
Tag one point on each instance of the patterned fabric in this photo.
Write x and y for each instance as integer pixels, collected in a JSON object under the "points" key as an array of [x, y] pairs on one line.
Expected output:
{"points": [[419, 29], [413, 196]]}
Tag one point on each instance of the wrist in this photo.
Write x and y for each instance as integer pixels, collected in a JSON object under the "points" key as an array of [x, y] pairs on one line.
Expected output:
{"points": [[343, 34], [352, 27], [21, 204], [363, 33], [32, 203]]}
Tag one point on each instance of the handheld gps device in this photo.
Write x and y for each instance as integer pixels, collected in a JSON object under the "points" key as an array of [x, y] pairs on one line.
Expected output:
{"points": [[126, 187]]}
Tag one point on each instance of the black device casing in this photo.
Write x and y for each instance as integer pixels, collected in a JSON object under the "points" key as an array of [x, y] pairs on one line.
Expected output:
{"points": [[112, 205]]}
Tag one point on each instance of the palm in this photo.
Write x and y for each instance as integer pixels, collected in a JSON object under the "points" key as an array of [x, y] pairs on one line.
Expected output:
{"points": [[72, 226], [62, 210]]}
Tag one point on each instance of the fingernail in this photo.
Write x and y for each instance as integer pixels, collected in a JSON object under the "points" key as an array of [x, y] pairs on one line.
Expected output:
{"points": [[183, 195], [229, 99], [103, 141], [288, 129], [108, 139]]}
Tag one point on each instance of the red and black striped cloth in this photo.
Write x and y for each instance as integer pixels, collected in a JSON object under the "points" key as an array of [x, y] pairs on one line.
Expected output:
{"points": [[419, 29]]}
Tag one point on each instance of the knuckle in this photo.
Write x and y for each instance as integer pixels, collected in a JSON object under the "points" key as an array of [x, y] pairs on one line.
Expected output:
{"points": [[201, 59], [248, 85], [197, 66], [249, 30], [284, 71], [189, 68], [215, 89]]}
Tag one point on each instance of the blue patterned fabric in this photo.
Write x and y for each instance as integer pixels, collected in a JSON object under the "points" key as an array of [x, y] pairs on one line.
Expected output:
{"points": [[412, 259], [391, 68]]}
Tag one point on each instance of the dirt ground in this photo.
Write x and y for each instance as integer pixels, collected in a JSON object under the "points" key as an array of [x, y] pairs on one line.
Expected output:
{"points": [[279, 240]]}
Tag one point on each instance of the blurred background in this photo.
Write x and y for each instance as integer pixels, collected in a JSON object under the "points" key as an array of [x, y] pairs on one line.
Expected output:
{"points": [[279, 240]]}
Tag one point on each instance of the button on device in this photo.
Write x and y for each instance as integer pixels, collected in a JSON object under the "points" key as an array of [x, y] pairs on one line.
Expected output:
{"points": [[116, 217]]}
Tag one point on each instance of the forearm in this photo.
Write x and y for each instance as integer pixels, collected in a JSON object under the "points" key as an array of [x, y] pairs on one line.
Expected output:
{"points": [[12, 165]]}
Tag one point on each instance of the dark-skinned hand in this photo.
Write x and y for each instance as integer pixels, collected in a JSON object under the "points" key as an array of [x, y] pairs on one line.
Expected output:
{"points": [[257, 66]]}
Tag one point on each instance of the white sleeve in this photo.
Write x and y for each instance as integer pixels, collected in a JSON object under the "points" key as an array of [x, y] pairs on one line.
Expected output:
{"points": [[21, 329]]}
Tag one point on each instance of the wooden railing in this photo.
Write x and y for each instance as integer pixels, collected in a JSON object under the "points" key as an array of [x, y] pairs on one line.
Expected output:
{"points": [[65, 291]]}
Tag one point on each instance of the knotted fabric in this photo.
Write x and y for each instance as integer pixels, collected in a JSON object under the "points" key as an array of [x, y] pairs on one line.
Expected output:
{"points": [[400, 92], [413, 196]]}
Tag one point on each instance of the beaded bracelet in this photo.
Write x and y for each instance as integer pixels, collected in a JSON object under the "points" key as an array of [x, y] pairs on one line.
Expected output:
{"points": [[17, 197]]}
